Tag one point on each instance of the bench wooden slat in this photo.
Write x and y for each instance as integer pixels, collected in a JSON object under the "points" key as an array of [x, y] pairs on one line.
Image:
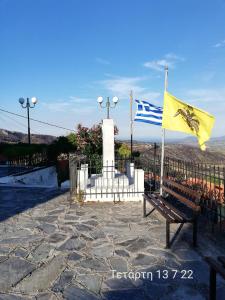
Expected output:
{"points": [[216, 266], [166, 211], [157, 206], [181, 214], [175, 211], [194, 194], [189, 203]]}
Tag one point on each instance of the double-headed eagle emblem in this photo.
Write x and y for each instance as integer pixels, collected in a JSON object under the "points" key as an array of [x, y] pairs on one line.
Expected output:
{"points": [[189, 117]]}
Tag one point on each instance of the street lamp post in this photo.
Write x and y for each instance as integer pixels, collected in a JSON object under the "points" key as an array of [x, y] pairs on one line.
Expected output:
{"points": [[108, 104], [28, 106]]}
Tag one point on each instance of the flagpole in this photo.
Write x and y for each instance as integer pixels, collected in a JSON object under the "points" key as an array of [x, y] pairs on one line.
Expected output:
{"points": [[131, 124], [163, 137]]}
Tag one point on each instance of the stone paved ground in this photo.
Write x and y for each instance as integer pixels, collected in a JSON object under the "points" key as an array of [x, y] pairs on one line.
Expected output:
{"points": [[59, 250]]}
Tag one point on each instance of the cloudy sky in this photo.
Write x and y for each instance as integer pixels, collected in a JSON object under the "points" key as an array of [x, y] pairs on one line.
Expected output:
{"points": [[67, 53]]}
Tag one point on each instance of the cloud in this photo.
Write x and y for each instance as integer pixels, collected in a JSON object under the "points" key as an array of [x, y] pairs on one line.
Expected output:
{"points": [[121, 87], [220, 44], [209, 96], [73, 104], [102, 61], [59, 106], [170, 60], [79, 100]]}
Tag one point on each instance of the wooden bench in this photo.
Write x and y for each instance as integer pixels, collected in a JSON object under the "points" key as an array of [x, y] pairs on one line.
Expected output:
{"points": [[183, 195], [216, 267]]}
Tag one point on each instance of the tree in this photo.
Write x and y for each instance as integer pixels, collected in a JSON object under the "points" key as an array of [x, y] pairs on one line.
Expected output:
{"points": [[124, 151], [89, 140], [59, 146], [72, 138]]}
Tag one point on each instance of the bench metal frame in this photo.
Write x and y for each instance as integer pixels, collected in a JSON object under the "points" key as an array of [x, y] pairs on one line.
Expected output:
{"points": [[171, 213], [216, 267]]}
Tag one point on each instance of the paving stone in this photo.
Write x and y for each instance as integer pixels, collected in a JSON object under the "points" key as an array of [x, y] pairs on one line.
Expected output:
{"points": [[131, 294], [100, 242], [64, 280], [83, 227], [48, 219], [187, 254], [119, 264], [47, 228], [183, 293], [21, 252], [72, 292], [144, 260], [21, 241], [74, 256], [97, 234], [3, 258], [121, 252], [72, 244], [91, 222], [12, 297], [16, 232], [80, 213], [120, 227], [56, 212], [4, 250], [56, 238], [42, 278], [46, 296], [156, 291], [137, 245], [12, 271], [91, 281], [103, 251], [71, 218], [116, 231], [127, 242], [70, 222], [128, 219], [94, 264], [67, 230], [118, 283], [41, 253], [86, 237]]}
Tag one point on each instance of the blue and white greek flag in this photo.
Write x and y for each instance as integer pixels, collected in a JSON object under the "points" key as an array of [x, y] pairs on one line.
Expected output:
{"points": [[148, 113]]}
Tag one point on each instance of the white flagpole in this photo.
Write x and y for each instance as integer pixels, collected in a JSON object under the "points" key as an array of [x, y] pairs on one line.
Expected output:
{"points": [[163, 137], [131, 124]]}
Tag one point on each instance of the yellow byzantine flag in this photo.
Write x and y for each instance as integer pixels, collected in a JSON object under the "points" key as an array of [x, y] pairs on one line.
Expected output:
{"points": [[180, 116]]}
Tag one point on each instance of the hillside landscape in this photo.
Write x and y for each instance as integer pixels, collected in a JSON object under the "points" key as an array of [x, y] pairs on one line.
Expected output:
{"points": [[7, 136], [185, 149]]}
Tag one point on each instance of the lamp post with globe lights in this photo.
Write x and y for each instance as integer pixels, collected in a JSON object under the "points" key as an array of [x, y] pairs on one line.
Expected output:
{"points": [[28, 105], [108, 104]]}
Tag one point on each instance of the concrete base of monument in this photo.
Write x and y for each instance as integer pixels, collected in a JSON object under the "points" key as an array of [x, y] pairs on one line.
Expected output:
{"points": [[113, 197], [127, 186]]}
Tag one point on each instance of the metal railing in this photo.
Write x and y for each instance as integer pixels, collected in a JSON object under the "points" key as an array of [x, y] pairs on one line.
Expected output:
{"points": [[23, 163], [207, 178], [117, 180]]}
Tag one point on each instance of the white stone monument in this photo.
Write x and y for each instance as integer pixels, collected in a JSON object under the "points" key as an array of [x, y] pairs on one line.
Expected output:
{"points": [[111, 185], [108, 148]]}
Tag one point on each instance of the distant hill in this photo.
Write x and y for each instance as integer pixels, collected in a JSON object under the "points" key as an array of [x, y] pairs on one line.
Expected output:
{"points": [[186, 149], [213, 142], [189, 153], [11, 137]]}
